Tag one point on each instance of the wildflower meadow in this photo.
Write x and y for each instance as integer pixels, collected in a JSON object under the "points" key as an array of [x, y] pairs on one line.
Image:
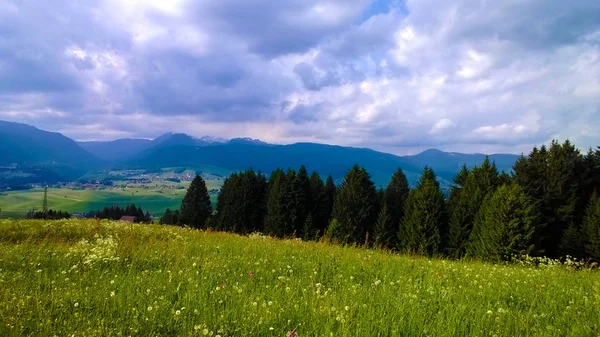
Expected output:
{"points": [[103, 278]]}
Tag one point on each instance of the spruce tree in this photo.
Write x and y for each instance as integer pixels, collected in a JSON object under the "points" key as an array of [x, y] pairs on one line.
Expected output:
{"points": [[563, 174], [301, 199], [277, 222], [466, 203], [382, 234], [318, 212], [572, 242], [167, 218], [308, 231], [589, 180], [507, 223], [394, 198], [552, 178], [355, 206], [196, 206], [591, 228], [458, 182], [330, 191], [424, 217], [241, 202]]}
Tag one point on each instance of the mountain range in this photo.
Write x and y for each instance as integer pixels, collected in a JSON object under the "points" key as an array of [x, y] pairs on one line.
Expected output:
{"points": [[39, 155]]}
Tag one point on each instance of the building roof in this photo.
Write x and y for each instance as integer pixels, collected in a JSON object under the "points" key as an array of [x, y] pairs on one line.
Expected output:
{"points": [[127, 218]]}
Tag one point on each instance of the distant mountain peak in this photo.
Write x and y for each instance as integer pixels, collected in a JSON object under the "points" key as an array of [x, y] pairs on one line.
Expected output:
{"points": [[211, 139], [433, 151], [247, 140]]}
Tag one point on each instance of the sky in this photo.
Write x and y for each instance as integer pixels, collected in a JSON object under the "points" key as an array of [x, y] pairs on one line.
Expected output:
{"points": [[397, 76]]}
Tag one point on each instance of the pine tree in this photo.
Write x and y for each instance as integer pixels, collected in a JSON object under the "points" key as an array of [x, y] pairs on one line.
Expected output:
{"points": [[591, 228], [425, 217], [277, 222], [335, 232], [330, 192], [308, 229], [167, 218], [572, 242], [466, 203], [196, 206], [355, 206], [381, 232], [589, 180], [552, 178], [459, 181], [241, 203], [394, 198], [318, 211], [507, 225], [301, 199]]}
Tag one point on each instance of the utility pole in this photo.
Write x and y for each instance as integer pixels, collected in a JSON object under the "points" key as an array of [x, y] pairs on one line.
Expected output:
{"points": [[45, 204]]}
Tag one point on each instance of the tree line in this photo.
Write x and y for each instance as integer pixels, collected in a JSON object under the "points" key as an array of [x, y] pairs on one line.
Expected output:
{"points": [[547, 206], [49, 215], [115, 213]]}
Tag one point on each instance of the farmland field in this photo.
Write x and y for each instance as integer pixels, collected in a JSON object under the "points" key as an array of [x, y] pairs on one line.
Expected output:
{"points": [[88, 278], [155, 200]]}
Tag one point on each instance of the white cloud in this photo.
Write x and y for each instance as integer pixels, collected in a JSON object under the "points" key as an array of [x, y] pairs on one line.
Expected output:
{"points": [[468, 75]]}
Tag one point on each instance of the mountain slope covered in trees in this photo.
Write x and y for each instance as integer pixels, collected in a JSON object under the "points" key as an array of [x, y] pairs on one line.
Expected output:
{"points": [[326, 159], [42, 154]]}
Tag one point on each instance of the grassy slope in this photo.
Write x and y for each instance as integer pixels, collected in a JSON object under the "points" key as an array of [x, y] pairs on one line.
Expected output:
{"points": [[148, 280], [17, 203]]}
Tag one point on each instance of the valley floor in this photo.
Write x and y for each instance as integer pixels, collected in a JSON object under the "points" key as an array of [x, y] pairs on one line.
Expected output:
{"points": [[15, 204], [88, 278]]}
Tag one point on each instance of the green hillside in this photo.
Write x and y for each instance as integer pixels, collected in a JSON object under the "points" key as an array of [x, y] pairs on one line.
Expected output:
{"points": [[85, 278]]}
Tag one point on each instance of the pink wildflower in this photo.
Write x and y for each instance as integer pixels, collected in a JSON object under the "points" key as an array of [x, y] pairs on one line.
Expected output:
{"points": [[251, 275], [292, 333], [223, 284]]}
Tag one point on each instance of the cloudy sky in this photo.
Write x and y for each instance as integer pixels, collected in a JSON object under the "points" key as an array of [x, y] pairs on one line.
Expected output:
{"points": [[398, 76]]}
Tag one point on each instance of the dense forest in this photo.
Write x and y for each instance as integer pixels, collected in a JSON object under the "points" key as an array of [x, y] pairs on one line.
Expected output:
{"points": [[547, 206]]}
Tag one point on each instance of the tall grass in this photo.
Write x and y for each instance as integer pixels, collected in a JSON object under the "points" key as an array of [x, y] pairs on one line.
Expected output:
{"points": [[88, 278]]}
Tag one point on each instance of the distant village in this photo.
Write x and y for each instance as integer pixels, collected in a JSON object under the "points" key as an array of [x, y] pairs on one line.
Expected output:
{"points": [[133, 179]]}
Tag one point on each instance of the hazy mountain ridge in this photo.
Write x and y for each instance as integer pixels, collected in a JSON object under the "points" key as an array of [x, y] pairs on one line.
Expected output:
{"points": [[26, 145]]}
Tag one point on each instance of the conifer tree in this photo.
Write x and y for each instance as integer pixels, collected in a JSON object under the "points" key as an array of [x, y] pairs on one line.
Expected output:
{"points": [[424, 217], [507, 225], [382, 234], [591, 228], [466, 203], [300, 198], [318, 212], [459, 181], [552, 178], [330, 191], [276, 219], [196, 206], [572, 242], [394, 198], [355, 206], [589, 180], [167, 218], [308, 231], [241, 202]]}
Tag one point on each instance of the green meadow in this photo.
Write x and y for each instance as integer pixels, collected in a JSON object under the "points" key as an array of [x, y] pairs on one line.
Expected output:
{"points": [[155, 200], [103, 278]]}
